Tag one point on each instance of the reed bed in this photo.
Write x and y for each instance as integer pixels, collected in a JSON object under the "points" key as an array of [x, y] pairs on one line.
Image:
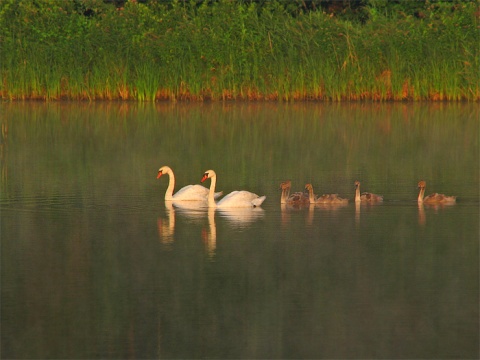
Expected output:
{"points": [[225, 50]]}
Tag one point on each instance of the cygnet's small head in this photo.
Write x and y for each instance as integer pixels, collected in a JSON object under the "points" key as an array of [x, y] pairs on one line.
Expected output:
{"points": [[286, 185], [422, 184]]}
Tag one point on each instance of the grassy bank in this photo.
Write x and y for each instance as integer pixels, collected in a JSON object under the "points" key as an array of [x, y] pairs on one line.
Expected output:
{"points": [[54, 49]]}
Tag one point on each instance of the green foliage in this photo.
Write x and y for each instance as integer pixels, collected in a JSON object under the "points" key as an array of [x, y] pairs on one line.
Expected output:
{"points": [[88, 49]]}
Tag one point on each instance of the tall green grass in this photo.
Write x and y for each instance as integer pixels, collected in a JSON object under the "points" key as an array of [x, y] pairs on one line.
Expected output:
{"points": [[233, 50]]}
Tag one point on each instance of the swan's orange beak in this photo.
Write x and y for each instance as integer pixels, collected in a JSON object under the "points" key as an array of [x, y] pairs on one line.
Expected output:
{"points": [[205, 177], [159, 174]]}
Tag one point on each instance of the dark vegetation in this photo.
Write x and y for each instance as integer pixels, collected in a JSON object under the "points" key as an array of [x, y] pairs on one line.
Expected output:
{"points": [[243, 49]]}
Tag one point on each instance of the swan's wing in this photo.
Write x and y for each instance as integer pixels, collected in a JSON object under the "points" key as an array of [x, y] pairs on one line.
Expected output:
{"points": [[371, 197], [191, 192], [325, 197], [240, 199], [217, 194], [228, 197], [194, 193], [431, 197], [440, 198], [331, 198]]}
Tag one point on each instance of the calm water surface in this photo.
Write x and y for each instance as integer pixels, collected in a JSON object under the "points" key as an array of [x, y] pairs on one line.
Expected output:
{"points": [[94, 264]]}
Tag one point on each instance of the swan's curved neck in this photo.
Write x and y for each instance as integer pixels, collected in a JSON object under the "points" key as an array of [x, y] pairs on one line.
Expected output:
{"points": [[357, 194], [211, 193], [284, 196], [171, 185], [311, 197], [421, 194]]}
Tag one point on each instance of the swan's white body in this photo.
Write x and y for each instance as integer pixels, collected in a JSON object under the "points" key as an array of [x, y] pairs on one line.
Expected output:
{"points": [[187, 193], [240, 198]]}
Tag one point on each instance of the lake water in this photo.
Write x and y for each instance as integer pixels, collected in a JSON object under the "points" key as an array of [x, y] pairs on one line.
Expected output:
{"points": [[94, 263]]}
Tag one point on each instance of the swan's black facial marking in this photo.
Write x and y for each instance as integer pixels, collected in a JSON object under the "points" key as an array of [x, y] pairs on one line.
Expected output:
{"points": [[205, 177]]}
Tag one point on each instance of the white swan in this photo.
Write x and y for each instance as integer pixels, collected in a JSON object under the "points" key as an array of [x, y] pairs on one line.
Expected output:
{"points": [[187, 193], [234, 199]]}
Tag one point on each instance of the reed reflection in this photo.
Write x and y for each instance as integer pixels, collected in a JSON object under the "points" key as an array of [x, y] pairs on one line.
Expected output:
{"points": [[3, 155], [287, 209], [325, 209]]}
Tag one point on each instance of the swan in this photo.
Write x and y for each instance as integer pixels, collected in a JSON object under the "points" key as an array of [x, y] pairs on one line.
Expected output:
{"points": [[297, 198], [433, 198], [187, 193], [234, 199], [324, 199], [366, 196]]}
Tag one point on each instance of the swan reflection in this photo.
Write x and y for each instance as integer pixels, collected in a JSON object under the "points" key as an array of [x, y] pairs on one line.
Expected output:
{"points": [[357, 212], [330, 206], [192, 210], [422, 218], [365, 205], [288, 209], [197, 212], [209, 236], [241, 217], [166, 226], [236, 217]]}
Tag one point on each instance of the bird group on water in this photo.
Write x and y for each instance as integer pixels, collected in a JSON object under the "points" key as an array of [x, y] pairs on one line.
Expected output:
{"points": [[237, 198], [244, 198]]}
